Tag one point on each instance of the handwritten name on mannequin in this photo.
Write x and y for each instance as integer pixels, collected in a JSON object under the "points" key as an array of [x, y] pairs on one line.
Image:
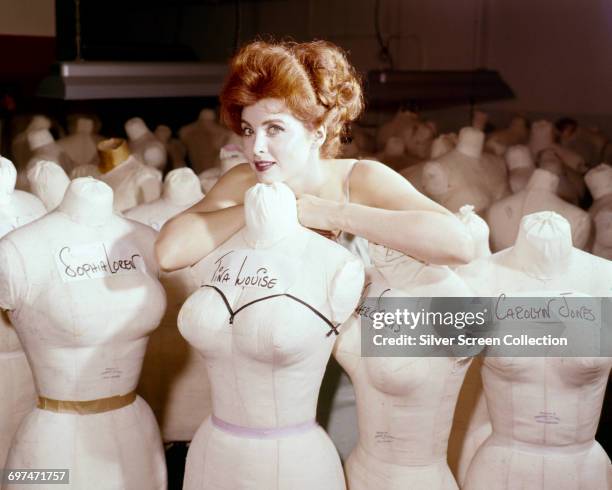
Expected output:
{"points": [[93, 261], [246, 268]]}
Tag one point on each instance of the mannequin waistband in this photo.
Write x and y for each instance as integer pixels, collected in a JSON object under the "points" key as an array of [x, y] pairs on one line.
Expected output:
{"points": [[257, 433], [499, 440], [88, 407]]}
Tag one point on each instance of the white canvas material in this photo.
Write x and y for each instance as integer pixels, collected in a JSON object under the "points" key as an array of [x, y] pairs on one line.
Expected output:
{"points": [[144, 144], [174, 380], [546, 441], [466, 175], [48, 182], [17, 208], [80, 286], [405, 405], [540, 194], [266, 362]]}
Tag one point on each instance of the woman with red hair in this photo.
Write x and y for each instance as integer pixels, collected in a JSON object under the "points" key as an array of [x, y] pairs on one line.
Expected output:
{"points": [[291, 103]]}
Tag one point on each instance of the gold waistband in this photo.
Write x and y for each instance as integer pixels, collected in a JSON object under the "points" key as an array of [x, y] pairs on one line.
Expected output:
{"points": [[86, 407]]}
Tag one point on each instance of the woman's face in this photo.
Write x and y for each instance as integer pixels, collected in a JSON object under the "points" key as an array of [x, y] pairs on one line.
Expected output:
{"points": [[278, 146]]}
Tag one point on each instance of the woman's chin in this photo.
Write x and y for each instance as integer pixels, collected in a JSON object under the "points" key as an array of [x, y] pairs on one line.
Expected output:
{"points": [[268, 177]]}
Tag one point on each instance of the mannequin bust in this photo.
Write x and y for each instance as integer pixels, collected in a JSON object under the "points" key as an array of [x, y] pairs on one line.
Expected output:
{"points": [[81, 145], [173, 379], [542, 137], [48, 182], [478, 228], [176, 150], [229, 156], [132, 181], [204, 139], [265, 377], [602, 242], [466, 175], [517, 133], [599, 183], [571, 184], [416, 134], [17, 208], [588, 142], [181, 190], [440, 146], [43, 147], [60, 275], [505, 215], [554, 448], [405, 404], [144, 144], [520, 167], [479, 120], [20, 148]]}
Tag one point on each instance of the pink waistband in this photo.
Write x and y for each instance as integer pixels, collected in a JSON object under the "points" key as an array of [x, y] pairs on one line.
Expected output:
{"points": [[253, 433]]}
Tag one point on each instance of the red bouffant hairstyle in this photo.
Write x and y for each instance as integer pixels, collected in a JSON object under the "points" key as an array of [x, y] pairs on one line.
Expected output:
{"points": [[314, 80]]}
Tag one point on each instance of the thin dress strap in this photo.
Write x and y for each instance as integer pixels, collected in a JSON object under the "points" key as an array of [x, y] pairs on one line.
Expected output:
{"points": [[347, 181]]}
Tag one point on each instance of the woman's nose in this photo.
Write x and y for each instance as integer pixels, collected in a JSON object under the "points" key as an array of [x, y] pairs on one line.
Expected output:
{"points": [[260, 144]]}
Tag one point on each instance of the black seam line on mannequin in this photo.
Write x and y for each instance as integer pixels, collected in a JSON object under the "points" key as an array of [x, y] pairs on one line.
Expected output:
{"points": [[334, 328]]}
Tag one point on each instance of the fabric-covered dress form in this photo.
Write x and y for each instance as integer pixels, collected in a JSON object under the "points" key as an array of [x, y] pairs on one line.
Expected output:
{"points": [[265, 320], [81, 289]]}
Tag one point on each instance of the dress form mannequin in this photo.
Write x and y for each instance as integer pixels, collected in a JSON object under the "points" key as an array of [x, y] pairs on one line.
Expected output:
{"points": [[587, 142], [144, 145], [516, 133], [602, 246], [542, 137], [525, 449], [405, 404], [48, 182], [43, 147], [177, 152], [266, 366], [478, 228], [173, 379], [17, 208], [479, 120], [416, 134], [20, 148], [505, 215], [599, 183], [440, 146], [520, 167], [81, 145], [60, 276], [229, 156], [571, 184], [204, 139], [132, 181], [363, 142], [466, 175], [394, 154]]}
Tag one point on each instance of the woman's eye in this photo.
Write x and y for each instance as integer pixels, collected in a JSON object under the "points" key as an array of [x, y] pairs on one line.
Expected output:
{"points": [[274, 129], [247, 132]]}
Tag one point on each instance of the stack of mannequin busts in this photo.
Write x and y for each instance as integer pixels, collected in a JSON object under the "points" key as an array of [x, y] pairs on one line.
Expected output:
{"points": [[264, 376], [43, 147], [132, 181], [544, 411], [204, 139], [229, 156], [81, 144], [48, 182], [404, 141], [144, 144], [173, 379], [17, 208], [540, 194], [466, 175], [176, 150], [80, 287]]}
